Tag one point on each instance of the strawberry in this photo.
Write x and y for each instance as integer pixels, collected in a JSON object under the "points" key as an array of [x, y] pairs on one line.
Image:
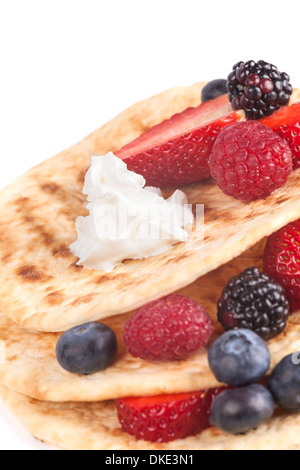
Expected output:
{"points": [[176, 151], [164, 418], [282, 261], [286, 123]]}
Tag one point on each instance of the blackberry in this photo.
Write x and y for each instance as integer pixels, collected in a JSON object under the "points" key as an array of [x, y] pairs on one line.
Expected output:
{"points": [[258, 88], [254, 301]]}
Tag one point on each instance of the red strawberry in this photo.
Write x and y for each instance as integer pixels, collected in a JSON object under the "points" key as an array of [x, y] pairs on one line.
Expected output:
{"points": [[176, 151], [164, 418], [282, 261], [286, 122]]}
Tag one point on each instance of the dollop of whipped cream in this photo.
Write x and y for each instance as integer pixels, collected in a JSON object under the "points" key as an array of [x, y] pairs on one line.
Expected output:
{"points": [[127, 219]]}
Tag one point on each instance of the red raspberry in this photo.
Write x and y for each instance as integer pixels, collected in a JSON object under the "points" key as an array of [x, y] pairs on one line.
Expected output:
{"points": [[167, 329], [250, 161], [282, 261], [164, 418]]}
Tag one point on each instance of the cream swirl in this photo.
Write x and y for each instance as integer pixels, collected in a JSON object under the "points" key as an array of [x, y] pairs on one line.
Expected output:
{"points": [[126, 220]]}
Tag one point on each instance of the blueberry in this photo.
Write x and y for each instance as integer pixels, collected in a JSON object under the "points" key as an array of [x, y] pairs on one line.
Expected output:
{"points": [[284, 383], [213, 89], [239, 357], [240, 410], [87, 348]]}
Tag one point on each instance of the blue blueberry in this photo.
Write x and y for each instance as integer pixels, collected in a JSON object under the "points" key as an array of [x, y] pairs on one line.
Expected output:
{"points": [[284, 383], [239, 357], [87, 348], [213, 89], [240, 410]]}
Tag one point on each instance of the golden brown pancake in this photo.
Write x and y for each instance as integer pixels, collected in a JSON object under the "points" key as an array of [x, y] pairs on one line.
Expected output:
{"points": [[42, 287]]}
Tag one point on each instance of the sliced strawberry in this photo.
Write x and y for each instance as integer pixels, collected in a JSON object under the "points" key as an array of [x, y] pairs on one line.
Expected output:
{"points": [[282, 261], [286, 123], [164, 418], [176, 151]]}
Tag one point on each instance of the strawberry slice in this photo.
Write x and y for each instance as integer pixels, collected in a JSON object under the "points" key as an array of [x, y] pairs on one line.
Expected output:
{"points": [[282, 261], [164, 418], [176, 151], [286, 123]]}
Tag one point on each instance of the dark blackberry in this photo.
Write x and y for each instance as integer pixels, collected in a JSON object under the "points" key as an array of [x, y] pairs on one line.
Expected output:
{"points": [[254, 301], [258, 88]]}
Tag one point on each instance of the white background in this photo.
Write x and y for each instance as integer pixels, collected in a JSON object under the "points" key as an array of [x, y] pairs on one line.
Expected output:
{"points": [[68, 66]]}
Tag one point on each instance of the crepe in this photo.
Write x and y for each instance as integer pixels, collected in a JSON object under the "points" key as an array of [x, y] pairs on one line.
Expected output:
{"points": [[43, 292], [28, 363], [43, 289], [93, 425]]}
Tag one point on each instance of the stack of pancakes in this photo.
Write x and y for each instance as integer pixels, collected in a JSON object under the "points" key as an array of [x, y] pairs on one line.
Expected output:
{"points": [[43, 292]]}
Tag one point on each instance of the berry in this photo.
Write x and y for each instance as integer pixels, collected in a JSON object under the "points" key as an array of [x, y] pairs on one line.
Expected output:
{"points": [[213, 89], [176, 151], [286, 123], [284, 383], [254, 301], [165, 418], [258, 88], [86, 349], [167, 329], [282, 261], [239, 357], [250, 161], [240, 410]]}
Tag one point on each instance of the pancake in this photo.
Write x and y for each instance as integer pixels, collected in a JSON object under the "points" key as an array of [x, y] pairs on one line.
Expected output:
{"points": [[44, 292], [95, 426], [44, 289]]}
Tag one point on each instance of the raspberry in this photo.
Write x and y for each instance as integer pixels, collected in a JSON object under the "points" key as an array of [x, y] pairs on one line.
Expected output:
{"points": [[282, 261], [250, 161], [164, 418], [167, 329], [254, 301], [258, 88]]}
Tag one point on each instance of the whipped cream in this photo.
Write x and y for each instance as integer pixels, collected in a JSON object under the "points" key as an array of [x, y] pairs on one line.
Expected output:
{"points": [[126, 220]]}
